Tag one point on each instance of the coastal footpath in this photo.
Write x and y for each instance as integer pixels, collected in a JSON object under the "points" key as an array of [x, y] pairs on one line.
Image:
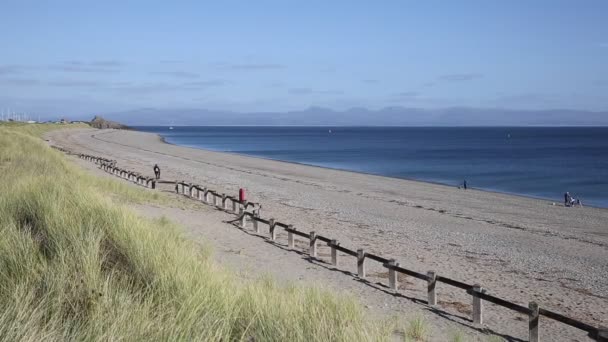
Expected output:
{"points": [[521, 249]]}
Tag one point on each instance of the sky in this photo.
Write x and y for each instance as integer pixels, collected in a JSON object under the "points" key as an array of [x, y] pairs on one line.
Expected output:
{"points": [[78, 57]]}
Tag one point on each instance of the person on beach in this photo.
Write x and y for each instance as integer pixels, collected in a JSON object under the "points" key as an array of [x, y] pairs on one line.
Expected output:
{"points": [[156, 171], [464, 184], [567, 199]]}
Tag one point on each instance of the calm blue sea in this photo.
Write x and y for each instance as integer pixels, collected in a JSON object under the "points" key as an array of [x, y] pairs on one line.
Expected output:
{"points": [[533, 161]]}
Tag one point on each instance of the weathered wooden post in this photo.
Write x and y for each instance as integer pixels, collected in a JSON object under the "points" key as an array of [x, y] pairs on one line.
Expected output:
{"points": [[290, 240], [271, 229], [176, 187], [360, 263], [243, 218], [234, 205], [334, 252], [153, 184], [477, 304], [224, 204], [392, 274], [431, 281], [206, 195], [256, 225], [602, 334], [191, 192], [533, 321], [313, 245], [200, 194]]}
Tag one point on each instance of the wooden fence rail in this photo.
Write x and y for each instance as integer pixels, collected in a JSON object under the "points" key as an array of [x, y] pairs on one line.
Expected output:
{"points": [[478, 294]]}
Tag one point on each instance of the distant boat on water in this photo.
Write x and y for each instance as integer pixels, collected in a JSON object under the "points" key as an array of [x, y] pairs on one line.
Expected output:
{"points": [[170, 127]]}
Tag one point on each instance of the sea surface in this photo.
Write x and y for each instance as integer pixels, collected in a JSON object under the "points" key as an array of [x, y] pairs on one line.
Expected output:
{"points": [[539, 162]]}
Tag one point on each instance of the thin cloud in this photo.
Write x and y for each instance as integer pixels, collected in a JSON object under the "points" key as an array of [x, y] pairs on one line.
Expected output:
{"points": [[329, 92], [178, 74], [251, 66], [20, 82], [206, 84], [299, 91], [87, 67], [74, 83], [108, 63], [276, 84], [10, 69], [460, 77], [158, 87], [407, 94], [309, 91]]}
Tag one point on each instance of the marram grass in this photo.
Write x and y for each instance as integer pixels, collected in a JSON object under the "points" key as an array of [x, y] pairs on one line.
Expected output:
{"points": [[75, 265]]}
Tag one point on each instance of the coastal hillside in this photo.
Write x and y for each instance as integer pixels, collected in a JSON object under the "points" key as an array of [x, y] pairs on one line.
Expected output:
{"points": [[78, 264], [101, 123]]}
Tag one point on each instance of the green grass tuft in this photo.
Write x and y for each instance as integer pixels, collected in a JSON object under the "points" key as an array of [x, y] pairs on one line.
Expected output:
{"points": [[417, 329]]}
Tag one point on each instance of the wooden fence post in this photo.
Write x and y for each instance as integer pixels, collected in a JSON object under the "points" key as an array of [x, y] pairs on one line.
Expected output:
{"points": [[431, 282], [392, 275], [477, 304], [361, 263], [243, 218], [533, 320], [191, 190], [206, 195], [290, 241], [312, 251], [234, 205], [334, 252], [153, 184], [256, 226], [224, 204], [271, 227]]}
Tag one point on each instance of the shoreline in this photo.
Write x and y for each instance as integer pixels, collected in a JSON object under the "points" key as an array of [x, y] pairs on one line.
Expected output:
{"points": [[493, 191]]}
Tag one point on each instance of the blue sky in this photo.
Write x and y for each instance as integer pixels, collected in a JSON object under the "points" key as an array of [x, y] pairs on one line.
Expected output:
{"points": [[93, 56]]}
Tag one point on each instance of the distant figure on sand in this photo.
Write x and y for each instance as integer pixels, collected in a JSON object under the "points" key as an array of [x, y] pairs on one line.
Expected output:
{"points": [[156, 171], [464, 184], [567, 199]]}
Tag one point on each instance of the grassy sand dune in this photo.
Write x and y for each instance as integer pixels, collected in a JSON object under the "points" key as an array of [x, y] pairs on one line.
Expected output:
{"points": [[75, 264]]}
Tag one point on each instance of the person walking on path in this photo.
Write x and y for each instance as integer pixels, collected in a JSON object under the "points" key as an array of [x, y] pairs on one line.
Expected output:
{"points": [[156, 171]]}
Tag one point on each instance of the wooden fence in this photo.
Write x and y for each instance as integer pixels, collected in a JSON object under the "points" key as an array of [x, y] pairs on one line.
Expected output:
{"points": [[476, 291]]}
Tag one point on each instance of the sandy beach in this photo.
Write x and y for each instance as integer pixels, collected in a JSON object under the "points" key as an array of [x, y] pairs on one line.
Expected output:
{"points": [[520, 249]]}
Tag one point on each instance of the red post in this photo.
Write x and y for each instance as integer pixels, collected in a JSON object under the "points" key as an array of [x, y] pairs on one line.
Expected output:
{"points": [[242, 197]]}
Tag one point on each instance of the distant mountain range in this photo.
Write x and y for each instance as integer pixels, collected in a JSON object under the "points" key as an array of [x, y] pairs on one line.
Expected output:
{"points": [[389, 116]]}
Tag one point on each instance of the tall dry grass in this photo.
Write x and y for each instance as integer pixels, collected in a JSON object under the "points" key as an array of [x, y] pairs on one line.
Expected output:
{"points": [[75, 265]]}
